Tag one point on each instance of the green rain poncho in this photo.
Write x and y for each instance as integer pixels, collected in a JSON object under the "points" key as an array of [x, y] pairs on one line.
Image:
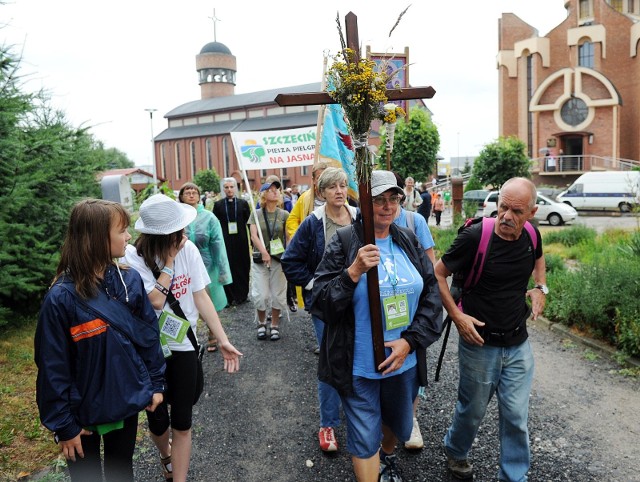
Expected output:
{"points": [[205, 232]]}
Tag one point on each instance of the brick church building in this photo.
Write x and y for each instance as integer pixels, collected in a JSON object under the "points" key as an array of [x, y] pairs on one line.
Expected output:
{"points": [[198, 132], [574, 94]]}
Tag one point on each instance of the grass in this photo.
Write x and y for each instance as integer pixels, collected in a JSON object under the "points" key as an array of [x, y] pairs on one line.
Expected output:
{"points": [[25, 445]]}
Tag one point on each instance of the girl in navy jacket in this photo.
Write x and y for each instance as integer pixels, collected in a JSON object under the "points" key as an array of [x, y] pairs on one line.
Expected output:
{"points": [[97, 347]]}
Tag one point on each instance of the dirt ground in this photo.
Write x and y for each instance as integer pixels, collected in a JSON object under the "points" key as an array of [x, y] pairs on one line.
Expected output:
{"points": [[261, 423]]}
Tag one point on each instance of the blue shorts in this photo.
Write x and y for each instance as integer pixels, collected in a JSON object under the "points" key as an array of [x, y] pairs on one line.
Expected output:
{"points": [[387, 401]]}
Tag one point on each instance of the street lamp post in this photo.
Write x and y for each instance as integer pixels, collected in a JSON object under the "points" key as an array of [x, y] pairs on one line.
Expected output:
{"points": [[153, 152]]}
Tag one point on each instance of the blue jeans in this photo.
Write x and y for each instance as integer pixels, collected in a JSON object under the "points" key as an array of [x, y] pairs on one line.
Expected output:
{"points": [[328, 397], [507, 372]]}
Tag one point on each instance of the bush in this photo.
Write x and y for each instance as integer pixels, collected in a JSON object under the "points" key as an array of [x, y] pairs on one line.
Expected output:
{"points": [[554, 263], [469, 209], [601, 297], [443, 239], [628, 333], [571, 236], [632, 247]]}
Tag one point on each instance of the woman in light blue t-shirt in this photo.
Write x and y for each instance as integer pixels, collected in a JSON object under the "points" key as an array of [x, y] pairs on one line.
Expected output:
{"points": [[377, 400]]}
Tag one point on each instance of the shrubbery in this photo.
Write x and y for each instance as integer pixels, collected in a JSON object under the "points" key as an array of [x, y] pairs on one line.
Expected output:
{"points": [[600, 294], [571, 236]]}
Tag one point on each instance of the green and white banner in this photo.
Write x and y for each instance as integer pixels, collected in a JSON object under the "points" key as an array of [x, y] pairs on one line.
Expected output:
{"points": [[275, 149]]}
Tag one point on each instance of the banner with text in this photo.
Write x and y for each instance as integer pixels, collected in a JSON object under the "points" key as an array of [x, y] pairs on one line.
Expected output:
{"points": [[275, 149]]}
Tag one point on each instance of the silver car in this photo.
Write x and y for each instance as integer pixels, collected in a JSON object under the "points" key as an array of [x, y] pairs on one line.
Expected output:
{"points": [[553, 212]]}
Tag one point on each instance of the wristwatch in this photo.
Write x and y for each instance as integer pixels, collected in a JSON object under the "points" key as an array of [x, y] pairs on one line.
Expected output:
{"points": [[543, 288]]}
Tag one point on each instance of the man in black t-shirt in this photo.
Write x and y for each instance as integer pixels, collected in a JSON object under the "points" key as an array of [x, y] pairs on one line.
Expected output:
{"points": [[494, 352]]}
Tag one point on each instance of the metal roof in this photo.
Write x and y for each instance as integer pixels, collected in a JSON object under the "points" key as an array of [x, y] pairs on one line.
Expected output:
{"points": [[238, 101], [288, 121]]}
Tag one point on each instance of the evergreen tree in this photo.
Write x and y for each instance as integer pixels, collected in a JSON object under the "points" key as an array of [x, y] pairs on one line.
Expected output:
{"points": [[46, 166]]}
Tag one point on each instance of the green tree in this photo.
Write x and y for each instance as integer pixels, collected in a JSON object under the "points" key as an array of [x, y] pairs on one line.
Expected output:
{"points": [[501, 160], [163, 188], [111, 157], [207, 180], [415, 146], [46, 165]]}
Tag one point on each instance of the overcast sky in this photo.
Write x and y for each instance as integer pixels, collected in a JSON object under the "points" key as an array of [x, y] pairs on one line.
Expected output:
{"points": [[104, 63]]}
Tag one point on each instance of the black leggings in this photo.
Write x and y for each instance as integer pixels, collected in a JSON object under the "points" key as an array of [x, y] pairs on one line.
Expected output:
{"points": [[181, 375], [118, 455]]}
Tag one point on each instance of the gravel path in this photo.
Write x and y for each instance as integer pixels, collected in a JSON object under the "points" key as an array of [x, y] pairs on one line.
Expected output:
{"points": [[261, 423]]}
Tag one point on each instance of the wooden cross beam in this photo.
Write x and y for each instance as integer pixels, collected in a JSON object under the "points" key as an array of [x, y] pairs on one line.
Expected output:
{"points": [[364, 187]]}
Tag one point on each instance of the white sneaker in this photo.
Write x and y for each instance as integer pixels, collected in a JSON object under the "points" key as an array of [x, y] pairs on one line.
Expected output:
{"points": [[415, 442]]}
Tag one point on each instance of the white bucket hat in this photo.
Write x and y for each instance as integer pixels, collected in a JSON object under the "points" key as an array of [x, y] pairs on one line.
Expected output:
{"points": [[382, 181], [160, 214]]}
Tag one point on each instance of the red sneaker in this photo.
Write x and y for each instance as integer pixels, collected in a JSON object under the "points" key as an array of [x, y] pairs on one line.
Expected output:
{"points": [[327, 439]]}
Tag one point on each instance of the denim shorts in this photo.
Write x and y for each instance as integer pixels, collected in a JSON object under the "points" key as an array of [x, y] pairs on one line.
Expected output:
{"points": [[387, 401]]}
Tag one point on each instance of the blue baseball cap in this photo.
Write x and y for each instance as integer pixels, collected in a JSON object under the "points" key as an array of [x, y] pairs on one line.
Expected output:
{"points": [[267, 185]]}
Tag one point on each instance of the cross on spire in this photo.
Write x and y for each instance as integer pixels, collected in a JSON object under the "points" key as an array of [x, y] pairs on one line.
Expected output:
{"points": [[214, 19]]}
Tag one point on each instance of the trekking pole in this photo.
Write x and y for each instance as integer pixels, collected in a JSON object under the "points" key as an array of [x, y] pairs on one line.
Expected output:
{"points": [[456, 292], [447, 322]]}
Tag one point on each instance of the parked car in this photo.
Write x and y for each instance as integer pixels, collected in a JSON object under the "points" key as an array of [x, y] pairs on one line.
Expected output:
{"points": [[553, 212], [475, 196]]}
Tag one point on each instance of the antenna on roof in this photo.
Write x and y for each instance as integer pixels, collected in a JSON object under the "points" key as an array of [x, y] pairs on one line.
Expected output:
{"points": [[214, 19]]}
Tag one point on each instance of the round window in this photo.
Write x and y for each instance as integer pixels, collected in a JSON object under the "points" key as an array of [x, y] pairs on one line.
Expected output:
{"points": [[574, 111]]}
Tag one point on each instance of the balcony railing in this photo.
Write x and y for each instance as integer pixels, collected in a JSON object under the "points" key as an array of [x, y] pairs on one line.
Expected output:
{"points": [[575, 164]]}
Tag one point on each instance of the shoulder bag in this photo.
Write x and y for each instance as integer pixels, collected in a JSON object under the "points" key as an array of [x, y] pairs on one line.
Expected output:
{"points": [[177, 309]]}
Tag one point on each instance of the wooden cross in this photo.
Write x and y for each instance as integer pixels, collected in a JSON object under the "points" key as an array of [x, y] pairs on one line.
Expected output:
{"points": [[364, 188]]}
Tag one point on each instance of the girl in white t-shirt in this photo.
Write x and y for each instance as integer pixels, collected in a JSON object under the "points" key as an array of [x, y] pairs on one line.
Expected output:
{"points": [[163, 247]]}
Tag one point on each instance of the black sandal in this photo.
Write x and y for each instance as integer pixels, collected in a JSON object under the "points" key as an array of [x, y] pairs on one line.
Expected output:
{"points": [[262, 331], [275, 333], [167, 469]]}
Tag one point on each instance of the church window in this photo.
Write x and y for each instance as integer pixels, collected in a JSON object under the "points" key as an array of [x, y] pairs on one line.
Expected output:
{"points": [[585, 9], [586, 55], [163, 161], [209, 159], [178, 167], [617, 5], [574, 111], [227, 157], [193, 158]]}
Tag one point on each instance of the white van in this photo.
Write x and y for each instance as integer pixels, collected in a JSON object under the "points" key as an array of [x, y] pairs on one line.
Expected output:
{"points": [[606, 190]]}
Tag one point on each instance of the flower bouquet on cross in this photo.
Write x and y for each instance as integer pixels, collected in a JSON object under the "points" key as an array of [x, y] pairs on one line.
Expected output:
{"points": [[360, 86]]}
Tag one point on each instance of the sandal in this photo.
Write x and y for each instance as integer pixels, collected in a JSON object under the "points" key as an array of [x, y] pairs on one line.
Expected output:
{"points": [[275, 333], [167, 469], [262, 332]]}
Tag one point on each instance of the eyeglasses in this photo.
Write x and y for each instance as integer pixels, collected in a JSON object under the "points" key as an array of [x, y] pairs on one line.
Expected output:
{"points": [[381, 200]]}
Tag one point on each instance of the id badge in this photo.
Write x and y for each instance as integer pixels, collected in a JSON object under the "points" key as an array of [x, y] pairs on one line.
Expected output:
{"points": [[233, 227], [396, 311], [172, 326], [166, 351], [276, 247]]}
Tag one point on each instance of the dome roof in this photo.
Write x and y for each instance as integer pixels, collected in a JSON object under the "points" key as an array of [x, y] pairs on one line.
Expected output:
{"points": [[215, 48]]}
